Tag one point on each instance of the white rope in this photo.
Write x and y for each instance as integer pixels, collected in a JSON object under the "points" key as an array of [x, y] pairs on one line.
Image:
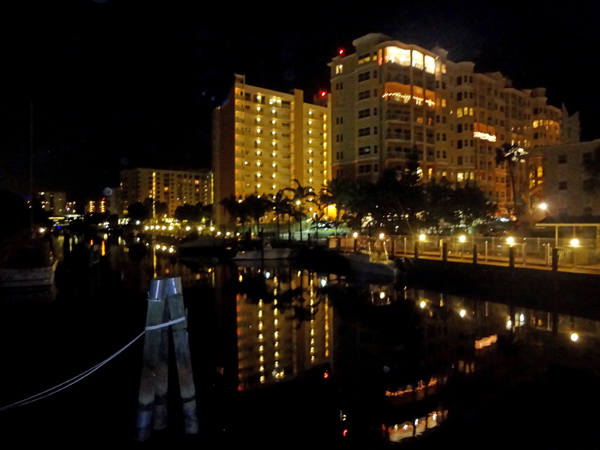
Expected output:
{"points": [[166, 324], [81, 376]]}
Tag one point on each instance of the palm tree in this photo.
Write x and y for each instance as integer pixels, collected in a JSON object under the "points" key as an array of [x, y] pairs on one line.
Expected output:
{"points": [[337, 193], [299, 195], [234, 209], [511, 155], [256, 207], [281, 205]]}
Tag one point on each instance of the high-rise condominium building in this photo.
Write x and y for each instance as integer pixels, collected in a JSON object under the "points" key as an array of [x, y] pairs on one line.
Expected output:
{"points": [[390, 99], [54, 203], [264, 139], [173, 187]]}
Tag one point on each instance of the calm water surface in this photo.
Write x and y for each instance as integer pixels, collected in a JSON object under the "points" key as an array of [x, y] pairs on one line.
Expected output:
{"points": [[282, 353]]}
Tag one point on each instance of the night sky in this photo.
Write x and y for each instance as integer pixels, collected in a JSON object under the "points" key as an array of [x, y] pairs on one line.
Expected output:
{"points": [[119, 84]]}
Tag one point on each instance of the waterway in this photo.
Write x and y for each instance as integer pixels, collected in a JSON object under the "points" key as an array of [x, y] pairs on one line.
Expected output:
{"points": [[285, 356]]}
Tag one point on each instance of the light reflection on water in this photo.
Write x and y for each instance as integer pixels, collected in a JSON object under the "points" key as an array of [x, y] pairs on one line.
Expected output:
{"points": [[415, 352]]}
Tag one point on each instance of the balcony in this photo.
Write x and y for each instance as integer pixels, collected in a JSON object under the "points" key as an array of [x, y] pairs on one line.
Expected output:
{"points": [[398, 136]]}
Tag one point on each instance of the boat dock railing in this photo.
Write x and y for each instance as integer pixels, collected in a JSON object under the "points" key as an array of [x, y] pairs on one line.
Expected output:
{"points": [[531, 252]]}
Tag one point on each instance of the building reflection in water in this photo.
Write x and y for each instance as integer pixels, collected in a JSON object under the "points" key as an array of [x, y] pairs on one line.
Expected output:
{"points": [[283, 325], [403, 359]]}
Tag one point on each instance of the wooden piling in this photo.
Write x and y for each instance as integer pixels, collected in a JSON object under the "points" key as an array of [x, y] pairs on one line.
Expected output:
{"points": [[152, 341], [165, 304], [183, 357]]}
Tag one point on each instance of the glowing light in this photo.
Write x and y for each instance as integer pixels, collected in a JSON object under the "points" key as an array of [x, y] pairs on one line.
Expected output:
{"points": [[406, 98], [187, 228], [355, 235], [463, 313], [486, 341], [323, 282], [218, 233], [422, 237], [508, 324], [423, 304], [381, 235], [41, 230], [462, 238], [574, 337], [484, 136], [157, 246], [171, 250], [146, 227], [574, 242], [543, 206], [510, 240], [382, 295], [164, 247]]}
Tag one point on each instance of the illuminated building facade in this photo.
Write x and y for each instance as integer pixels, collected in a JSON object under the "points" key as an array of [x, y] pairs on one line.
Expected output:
{"points": [[263, 139], [391, 99], [54, 203], [173, 187], [557, 179]]}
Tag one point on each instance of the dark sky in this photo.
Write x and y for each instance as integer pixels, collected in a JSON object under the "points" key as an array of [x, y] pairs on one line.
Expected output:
{"points": [[118, 84]]}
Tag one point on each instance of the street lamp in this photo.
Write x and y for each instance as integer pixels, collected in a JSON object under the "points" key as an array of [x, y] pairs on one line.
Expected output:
{"points": [[510, 240], [574, 242], [422, 237], [381, 235], [574, 337], [543, 206]]}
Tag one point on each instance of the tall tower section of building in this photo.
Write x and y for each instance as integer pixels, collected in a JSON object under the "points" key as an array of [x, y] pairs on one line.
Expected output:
{"points": [[263, 140], [393, 101], [383, 107]]}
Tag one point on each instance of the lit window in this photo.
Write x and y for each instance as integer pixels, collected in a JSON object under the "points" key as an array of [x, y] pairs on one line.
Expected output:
{"points": [[459, 113], [429, 64], [443, 103], [397, 55], [417, 59], [339, 69]]}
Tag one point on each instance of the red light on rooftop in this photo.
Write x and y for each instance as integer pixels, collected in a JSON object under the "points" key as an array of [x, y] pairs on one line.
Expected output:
{"points": [[322, 93], [345, 432], [341, 51], [326, 374]]}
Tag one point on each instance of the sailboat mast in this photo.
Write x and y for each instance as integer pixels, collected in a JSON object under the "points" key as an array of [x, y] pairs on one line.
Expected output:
{"points": [[31, 168]]}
